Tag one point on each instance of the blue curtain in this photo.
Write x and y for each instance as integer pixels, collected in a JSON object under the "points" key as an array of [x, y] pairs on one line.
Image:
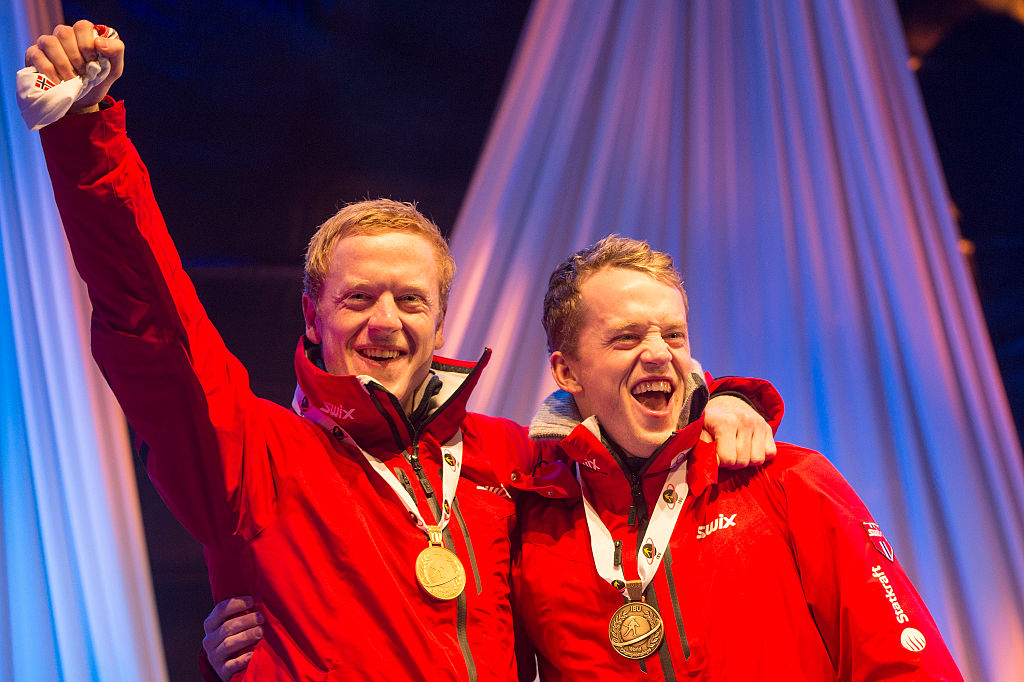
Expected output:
{"points": [[75, 594], [780, 152]]}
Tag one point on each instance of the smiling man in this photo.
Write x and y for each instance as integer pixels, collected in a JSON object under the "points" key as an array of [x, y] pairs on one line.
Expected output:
{"points": [[372, 523], [374, 305], [644, 571]]}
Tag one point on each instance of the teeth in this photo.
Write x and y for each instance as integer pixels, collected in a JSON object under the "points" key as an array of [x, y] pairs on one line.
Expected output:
{"points": [[645, 386], [379, 353]]}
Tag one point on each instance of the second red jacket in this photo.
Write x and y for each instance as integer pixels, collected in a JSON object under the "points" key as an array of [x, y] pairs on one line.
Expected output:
{"points": [[773, 572]]}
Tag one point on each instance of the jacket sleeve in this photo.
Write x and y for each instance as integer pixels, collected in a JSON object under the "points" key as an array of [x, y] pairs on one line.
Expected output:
{"points": [[184, 394], [871, 618], [760, 394]]}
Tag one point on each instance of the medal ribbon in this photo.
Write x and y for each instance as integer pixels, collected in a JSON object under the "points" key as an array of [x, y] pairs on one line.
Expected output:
{"points": [[659, 530], [451, 468]]}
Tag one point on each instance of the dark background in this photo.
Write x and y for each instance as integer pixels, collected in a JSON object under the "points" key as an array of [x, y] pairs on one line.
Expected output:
{"points": [[258, 120]]}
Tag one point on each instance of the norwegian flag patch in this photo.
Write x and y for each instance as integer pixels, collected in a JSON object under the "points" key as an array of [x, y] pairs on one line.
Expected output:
{"points": [[44, 83], [878, 540]]}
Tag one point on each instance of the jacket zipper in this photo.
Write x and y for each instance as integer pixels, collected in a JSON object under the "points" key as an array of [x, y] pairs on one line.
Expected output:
{"points": [[638, 517], [412, 456]]}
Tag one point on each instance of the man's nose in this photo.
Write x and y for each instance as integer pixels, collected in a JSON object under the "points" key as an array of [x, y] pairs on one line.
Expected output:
{"points": [[655, 351], [384, 316]]}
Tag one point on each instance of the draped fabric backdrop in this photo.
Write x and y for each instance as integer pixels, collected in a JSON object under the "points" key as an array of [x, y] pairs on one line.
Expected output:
{"points": [[780, 152], [76, 599]]}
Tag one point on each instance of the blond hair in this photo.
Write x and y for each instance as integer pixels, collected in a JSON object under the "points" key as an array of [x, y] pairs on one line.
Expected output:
{"points": [[373, 217], [562, 315]]}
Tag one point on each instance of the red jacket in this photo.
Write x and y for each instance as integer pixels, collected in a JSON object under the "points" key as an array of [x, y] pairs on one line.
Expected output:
{"points": [[770, 574], [285, 512]]}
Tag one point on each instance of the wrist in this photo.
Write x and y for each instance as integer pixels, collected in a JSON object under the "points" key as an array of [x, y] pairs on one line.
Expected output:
{"points": [[85, 110]]}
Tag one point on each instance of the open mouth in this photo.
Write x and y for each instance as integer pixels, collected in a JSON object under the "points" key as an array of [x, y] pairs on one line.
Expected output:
{"points": [[379, 354], [654, 395]]}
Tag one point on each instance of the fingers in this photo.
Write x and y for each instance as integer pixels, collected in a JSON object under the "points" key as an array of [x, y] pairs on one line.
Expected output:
{"points": [[59, 56], [230, 638], [112, 49], [85, 41], [235, 635], [42, 56], [743, 438], [725, 446], [64, 54], [226, 609], [68, 44], [233, 666], [229, 653]]}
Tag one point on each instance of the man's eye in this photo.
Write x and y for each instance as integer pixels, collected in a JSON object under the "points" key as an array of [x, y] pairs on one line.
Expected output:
{"points": [[357, 298], [411, 300]]}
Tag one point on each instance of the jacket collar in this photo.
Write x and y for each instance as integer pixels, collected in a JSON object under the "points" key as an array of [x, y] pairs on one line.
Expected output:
{"points": [[583, 441], [372, 416]]}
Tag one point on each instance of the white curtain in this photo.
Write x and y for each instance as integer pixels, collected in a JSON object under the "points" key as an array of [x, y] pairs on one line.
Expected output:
{"points": [[76, 600], [780, 152]]}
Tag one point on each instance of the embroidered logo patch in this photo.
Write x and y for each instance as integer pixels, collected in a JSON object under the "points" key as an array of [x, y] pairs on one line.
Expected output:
{"points": [[878, 540]]}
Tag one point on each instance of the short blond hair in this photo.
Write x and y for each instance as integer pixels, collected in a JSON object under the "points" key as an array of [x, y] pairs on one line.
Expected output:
{"points": [[373, 217], [562, 315]]}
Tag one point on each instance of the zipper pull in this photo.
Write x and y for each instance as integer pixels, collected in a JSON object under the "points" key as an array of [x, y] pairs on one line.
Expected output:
{"points": [[631, 518], [406, 483], [617, 561], [414, 459]]}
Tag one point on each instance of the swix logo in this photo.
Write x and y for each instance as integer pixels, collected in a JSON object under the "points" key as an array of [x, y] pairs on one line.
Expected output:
{"points": [[590, 464], [337, 411], [721, 522]]}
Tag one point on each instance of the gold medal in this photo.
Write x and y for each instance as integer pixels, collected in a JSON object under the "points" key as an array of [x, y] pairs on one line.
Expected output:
{"points": [[635, 630], [438, 570]]}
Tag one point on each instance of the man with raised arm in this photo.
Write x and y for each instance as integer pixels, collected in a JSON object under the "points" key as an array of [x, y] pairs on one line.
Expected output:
{"points": [[372, 522], [644, 570]]}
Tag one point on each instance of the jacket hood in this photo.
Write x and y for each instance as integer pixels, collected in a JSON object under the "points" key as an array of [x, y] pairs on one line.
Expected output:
{"points": [[372, 415]]}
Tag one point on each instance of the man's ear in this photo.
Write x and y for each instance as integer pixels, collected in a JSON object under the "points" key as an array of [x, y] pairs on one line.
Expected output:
{"points": [[439, 332], [309, 313], [563, 373]]}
